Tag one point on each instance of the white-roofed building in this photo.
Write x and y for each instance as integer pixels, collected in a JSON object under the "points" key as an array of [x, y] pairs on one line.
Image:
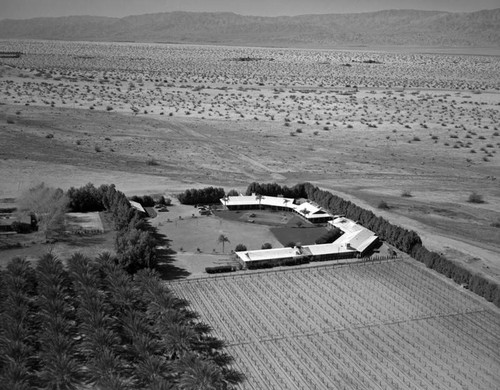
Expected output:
{"points": [[340, 249], [308, 210], [248, 202], [312, 212], [137, 206], [360, 238], [271, 257], [355, 241]]}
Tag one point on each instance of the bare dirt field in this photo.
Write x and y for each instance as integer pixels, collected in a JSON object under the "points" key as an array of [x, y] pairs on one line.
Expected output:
{"points": [[391, 325], [163, 118], [84, 222]]}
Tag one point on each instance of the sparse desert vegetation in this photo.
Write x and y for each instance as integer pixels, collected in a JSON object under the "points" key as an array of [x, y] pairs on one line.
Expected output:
{"points": [[475, 198], [189, 112], [185, 122]]}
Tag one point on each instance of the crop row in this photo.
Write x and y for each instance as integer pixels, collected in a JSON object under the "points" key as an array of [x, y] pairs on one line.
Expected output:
{"points": [[306, 299], [389, 325]]}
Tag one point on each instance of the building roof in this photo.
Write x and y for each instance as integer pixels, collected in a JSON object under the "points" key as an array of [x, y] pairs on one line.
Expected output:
{"points": [[313, 211], [269, 254], [346, 225], [339, 246], [137, 206], [248, 200], [360, 237], [356, 238], [311, 208], [362, 240]]}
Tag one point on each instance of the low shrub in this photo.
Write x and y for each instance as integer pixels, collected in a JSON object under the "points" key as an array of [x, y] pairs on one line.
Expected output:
{"points": [[475, 198], [240, 248], [220, 269], [383, 205]]}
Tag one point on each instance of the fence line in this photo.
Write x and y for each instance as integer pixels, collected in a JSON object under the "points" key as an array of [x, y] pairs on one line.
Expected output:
{"points": [[299, 268]]}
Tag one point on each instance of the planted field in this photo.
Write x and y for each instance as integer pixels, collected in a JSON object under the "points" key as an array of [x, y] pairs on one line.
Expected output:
{"points": [[378, 326]]}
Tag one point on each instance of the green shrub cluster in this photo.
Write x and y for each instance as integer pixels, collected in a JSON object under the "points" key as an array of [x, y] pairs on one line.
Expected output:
{"points": [[220, 269], [87, 198], [144, 201], [206, 195], [274, 189]]}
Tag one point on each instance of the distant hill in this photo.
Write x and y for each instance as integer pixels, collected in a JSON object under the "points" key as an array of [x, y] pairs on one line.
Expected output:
{"points": [[387, 28]]}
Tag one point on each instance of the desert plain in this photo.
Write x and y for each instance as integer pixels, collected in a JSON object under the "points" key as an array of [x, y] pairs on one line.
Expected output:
{"points": [[417, 130]]}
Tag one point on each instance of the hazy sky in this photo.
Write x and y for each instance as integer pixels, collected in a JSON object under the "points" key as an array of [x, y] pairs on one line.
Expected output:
{"points": [[23, 9]]}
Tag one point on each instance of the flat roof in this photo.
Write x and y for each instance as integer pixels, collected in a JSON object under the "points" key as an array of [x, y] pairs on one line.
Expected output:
{"points": [[269, 254], [338, 246], [137, 206], [363, 240], [313, 211], [346, 225], [245, 200], [360, 237], [311, 208]]}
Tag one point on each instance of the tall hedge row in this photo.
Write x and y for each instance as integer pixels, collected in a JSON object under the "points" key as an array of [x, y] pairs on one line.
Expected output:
{"points": [[135, 242], [397, 236], [405, 240], [204, 196]]}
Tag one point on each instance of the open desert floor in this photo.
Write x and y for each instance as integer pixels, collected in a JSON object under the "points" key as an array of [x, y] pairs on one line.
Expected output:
{"points": [[368, 126]]}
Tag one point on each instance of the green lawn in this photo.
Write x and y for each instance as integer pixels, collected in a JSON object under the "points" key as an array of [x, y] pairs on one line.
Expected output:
{"points": [[304, 235]]}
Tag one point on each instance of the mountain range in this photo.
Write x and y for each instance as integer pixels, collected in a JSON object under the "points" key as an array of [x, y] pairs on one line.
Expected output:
{"points": [[383, 28]]}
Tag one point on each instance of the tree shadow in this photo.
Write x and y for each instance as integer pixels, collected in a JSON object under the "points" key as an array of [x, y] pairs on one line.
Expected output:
{"points": [[74, 240], [165, 259]]}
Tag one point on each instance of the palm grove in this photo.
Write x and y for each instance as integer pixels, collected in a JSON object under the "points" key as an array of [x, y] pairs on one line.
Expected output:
{"points": [[107, 322]]}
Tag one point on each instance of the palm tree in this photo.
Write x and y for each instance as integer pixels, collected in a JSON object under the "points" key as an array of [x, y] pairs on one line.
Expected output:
{"points": [[178, 340], [106, 369], [306, 212], [18, 325], [59, 365], [200, 374], [222, 240], [259, 198], [151, 370]]}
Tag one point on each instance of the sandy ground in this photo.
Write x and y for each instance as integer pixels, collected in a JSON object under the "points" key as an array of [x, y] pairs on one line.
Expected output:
{"points": [[208, 120]]}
